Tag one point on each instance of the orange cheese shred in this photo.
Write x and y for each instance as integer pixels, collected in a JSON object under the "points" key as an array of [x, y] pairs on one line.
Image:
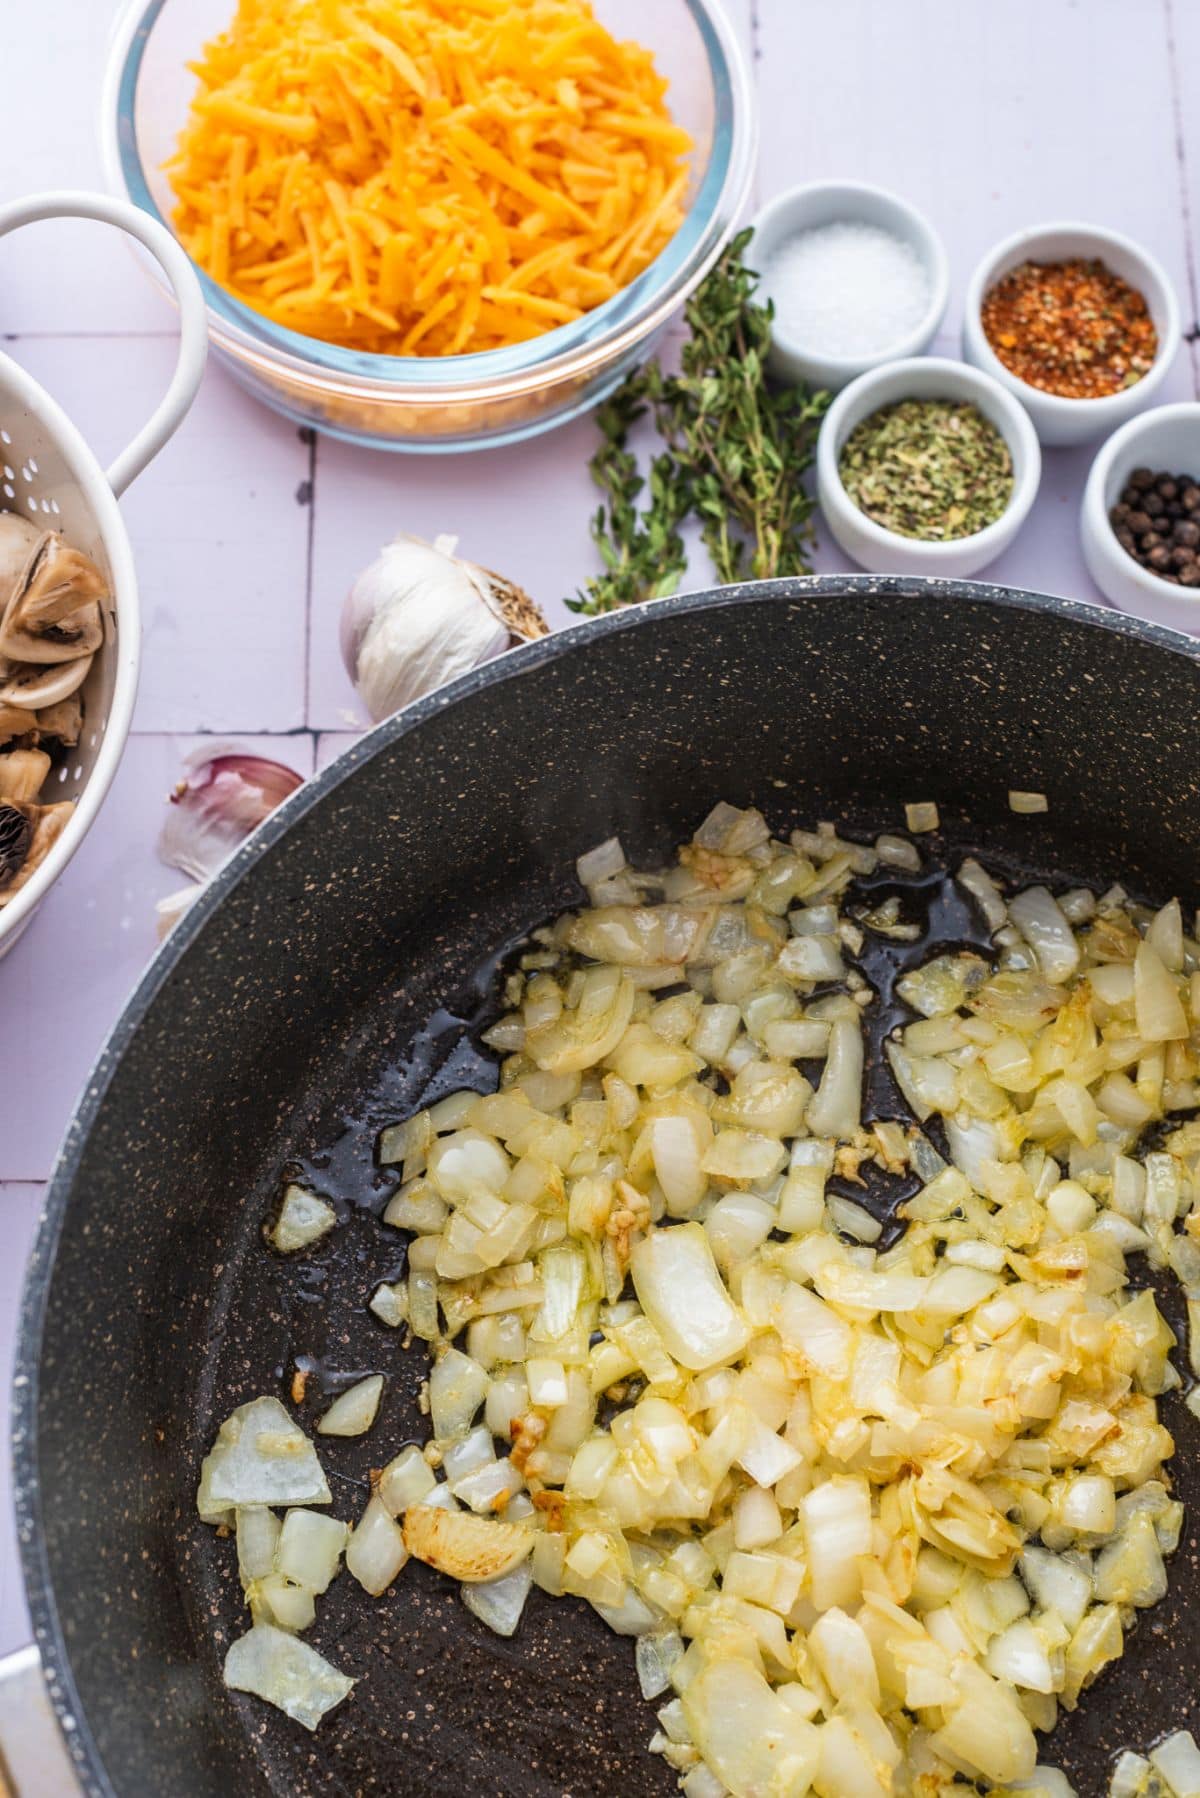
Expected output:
{"points": [[409, 177]]}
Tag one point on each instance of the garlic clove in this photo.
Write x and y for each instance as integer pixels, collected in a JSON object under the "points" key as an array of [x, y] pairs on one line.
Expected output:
{"points": [[52, 613], [420, 615], [223, 797], [34, 686], [22, 775], [168, 911]]}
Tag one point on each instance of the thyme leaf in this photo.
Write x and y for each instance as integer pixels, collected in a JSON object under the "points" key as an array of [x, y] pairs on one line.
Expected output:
{"points": [[734, 455]]}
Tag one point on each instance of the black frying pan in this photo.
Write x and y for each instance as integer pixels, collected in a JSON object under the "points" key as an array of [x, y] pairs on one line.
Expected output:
{"points": [[330, 978]]}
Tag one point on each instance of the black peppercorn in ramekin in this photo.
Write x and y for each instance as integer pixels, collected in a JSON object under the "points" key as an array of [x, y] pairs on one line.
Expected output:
{"points": [[1140, 522]]}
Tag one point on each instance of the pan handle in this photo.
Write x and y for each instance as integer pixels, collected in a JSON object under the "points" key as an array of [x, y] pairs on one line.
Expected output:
{"points": [[193, 319], [34, 1762]]}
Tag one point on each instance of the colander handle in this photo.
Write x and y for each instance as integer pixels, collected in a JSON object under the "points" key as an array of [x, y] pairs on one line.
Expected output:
{"points": [[193, 321]]}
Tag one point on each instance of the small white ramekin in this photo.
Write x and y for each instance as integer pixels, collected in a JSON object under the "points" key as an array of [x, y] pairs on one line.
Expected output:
{"points": [[854, 202], [1055, 419], [924, 378], [1168, 437]]}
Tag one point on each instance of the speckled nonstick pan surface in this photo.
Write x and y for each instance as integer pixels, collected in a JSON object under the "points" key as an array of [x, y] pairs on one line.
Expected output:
{"points": [[290, 1015]]}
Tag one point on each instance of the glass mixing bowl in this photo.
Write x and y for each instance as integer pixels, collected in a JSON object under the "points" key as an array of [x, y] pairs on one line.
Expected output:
{"points": [[450, 402]]}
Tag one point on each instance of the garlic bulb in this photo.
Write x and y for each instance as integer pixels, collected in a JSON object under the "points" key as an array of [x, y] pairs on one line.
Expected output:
{"points": [[420, 615]]}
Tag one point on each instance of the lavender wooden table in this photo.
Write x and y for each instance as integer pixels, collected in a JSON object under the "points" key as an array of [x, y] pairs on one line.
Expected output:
{"points": [[989, 117]]}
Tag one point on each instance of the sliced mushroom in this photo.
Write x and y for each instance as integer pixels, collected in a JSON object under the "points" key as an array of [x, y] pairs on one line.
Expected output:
{"points": [[52, 612], [15, 722], [60, 723], [35, 687], [46, 824], [19, 537], [22, 775]]}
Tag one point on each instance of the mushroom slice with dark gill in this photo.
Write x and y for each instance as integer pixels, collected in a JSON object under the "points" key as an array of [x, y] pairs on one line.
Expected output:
{"points": [[35, 686], [27, 835], [52, 612], [16, 834]]}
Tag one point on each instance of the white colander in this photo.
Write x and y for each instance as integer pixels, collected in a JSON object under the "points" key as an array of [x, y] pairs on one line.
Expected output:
{"points": [[48, 471]]}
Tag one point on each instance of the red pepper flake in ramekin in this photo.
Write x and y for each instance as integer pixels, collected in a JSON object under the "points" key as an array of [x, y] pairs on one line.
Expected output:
{"points": [[1072, 328]]}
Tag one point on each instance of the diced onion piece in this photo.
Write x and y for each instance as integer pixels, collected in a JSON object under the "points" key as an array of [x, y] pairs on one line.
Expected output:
{"points": [[797, 1039], [466, 1163], [987, 1734], [765, 1456], [928, 1082], [584, 1036], [897, 852], [498, 1603], [303, 1219], [600, 863], [814, 1330], [1019, 1655], [257, 1534], [376, 1552], [1027, 804], [747, 1735], [1160, 1013], [1177, 1760], [1129, 1777], [1057, 1583], [676, 1150], [487, 1489], [715, 1029], [698, 1782], [463, 1545], [309, 1548], [457, 1388], [1038, 916], [843, 1653], [260, 1457], [655, 1656], [985, 892], [354, 1411], [853, 1220], [836, 1108], [921, 816], [278, 1600], [390, 1304], [466, 1454], [632, 1617], [1130, 1570], [1090, 1505], [287, 1673], [837, 1527], [408, 1480], [756, 1518], [409, 1141], [681, 1292]]}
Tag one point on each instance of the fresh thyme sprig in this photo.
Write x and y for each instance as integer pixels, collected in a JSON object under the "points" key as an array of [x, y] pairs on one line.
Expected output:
{"points": [[734, 457], [642, 551]]}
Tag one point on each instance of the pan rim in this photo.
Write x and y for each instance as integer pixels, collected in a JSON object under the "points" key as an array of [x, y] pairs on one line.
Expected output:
{"points": [[39, 1590]]}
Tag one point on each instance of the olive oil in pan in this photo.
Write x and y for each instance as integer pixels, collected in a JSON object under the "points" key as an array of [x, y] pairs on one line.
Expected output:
{"points": [[443, 1056]]}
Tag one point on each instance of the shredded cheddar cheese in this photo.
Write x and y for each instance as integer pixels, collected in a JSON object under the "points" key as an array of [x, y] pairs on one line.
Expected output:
{"points": [[426, 177]]}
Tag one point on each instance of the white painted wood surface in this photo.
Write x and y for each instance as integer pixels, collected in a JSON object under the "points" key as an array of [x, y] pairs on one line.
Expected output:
{"points": [[988, 116]]}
